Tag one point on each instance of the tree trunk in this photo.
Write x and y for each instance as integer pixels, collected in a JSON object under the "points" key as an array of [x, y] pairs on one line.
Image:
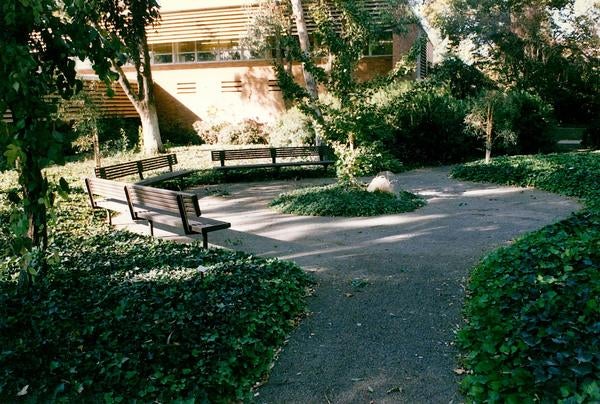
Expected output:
{"points": [[311, 84], [151, 132], [35, 190], [143, 100], [96, 140], [489, 126]]}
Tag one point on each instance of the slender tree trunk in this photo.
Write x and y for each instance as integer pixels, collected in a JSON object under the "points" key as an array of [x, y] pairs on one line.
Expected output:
{"points": [[96, 141], [311, 84], [488, 133]]}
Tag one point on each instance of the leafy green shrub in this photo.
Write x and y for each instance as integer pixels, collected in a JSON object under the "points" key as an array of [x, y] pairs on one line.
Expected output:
{"points": [[177, 134], [591, 136], [429, 125], [533, 313], [292, 128], [248, 131], [245, 132], [123, 317], [531, 119], [356, 121], [463, 80], [4, 142], [208, 131], [341, 200], [368, 159], [118, 134]]}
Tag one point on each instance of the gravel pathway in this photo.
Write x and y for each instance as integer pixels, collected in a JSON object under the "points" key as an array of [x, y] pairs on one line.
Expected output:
{"points": [[390, 288]]}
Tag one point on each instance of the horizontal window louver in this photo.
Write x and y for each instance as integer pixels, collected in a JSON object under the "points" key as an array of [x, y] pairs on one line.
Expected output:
{"points": [[222, 24]]}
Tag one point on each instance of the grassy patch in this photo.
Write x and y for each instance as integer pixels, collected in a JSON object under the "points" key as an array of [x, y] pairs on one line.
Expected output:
{"points": [[533, 308], [337, 200], [123, 317]]}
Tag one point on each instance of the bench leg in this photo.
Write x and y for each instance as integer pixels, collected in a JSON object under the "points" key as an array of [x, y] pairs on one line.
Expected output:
{"points": [[109, 217], [204, 239], [151, 224]]}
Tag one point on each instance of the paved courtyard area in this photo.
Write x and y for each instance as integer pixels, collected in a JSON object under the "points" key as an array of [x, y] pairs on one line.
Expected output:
{"points": [[390, 288]]}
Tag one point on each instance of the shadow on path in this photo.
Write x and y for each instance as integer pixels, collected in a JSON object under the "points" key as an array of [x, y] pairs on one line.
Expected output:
{"points": [[390, 288]]}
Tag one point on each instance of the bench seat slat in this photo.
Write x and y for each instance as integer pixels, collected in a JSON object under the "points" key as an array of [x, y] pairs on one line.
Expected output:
{"points": [[160, 217], [112, 204], [165, 176]]}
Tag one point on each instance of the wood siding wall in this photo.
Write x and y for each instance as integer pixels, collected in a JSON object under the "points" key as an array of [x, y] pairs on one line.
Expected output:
{"points": [[116, 106], [220, 24]]}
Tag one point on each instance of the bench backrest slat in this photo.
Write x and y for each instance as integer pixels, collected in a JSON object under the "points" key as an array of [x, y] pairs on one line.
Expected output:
{"points": [[154, 163], [117, 170], [136, 167], [182, 204], [241, 154], [104, 188], [308, 151], [273, 153]]}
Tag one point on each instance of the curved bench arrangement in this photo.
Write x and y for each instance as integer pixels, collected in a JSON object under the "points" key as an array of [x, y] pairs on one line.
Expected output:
{"points": [[292, 156], [154, 205]]}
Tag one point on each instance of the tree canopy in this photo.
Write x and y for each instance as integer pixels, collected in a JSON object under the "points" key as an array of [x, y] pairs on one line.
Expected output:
{"points": [[535, 45], [40, 41]]}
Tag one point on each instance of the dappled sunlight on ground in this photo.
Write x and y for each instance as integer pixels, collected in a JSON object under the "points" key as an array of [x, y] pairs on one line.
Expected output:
{"points": [[390, 288]]}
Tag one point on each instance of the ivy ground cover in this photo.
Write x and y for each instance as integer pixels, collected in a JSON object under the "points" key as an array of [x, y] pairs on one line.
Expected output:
{"points": [[123, 317], [532, 330], [345, 200]]}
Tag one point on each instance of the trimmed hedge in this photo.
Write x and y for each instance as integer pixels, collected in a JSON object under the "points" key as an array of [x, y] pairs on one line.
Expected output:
{"points": [[124, 317]]}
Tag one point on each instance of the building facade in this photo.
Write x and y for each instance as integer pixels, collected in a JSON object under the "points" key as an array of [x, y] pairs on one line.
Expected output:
{"points": [[202, 70]]}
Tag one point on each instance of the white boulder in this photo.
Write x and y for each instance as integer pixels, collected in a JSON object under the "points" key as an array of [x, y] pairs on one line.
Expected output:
{"points": [[382, 183]]}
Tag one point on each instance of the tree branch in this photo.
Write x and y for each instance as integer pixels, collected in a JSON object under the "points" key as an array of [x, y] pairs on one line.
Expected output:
{"points": [[125, 84]]}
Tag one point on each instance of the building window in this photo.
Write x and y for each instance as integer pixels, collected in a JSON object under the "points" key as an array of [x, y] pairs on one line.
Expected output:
{"points": [[201, 51], [162, 53], [186, 52]]}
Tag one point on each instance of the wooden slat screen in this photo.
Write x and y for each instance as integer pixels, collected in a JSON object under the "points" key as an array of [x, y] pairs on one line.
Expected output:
{"points": [[221, 24], [116, 106]]}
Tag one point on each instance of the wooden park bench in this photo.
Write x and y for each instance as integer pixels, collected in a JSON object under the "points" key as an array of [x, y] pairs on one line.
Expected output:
{"points": [[112, 196], [171, 208], [139, 167], [274, 157]]}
